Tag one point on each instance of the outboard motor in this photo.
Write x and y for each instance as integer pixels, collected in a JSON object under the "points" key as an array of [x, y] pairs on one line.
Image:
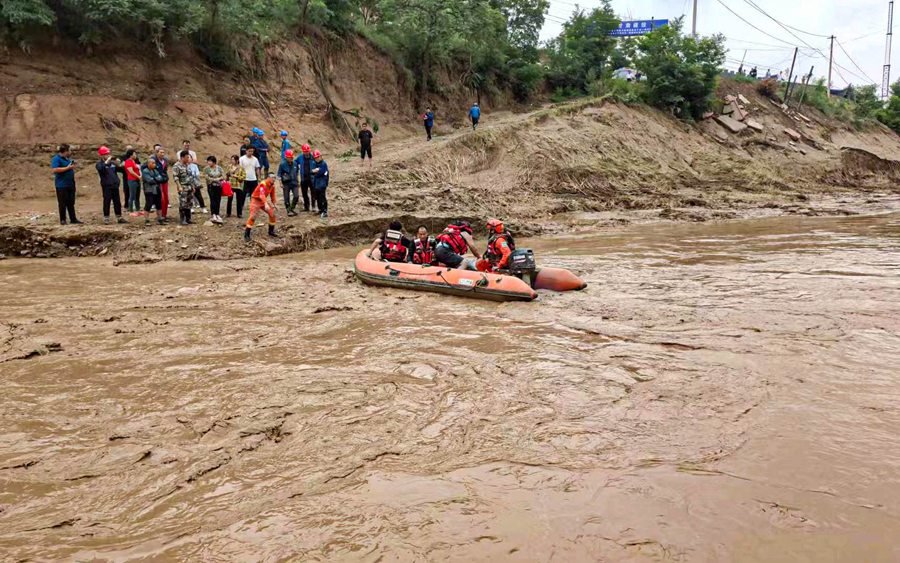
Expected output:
{"points": [[521, 263]]}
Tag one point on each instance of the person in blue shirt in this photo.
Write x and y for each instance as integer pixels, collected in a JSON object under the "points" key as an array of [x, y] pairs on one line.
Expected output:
{"points": [[262, 148], [320, 182], [475, 115], [285, 144], [64, 180], [428, 118], [305, 164]]}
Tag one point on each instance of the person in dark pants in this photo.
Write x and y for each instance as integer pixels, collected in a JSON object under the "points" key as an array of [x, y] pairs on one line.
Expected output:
{"points": [[214, 178], [109, 184], [252, 174], [305, 164], [120, 162], [320, 183], [152, 180], [428, 118], [236, 176], [475, 115], [365, 143], [162, 165], [132, 166], [287, 173], [64, 180]]}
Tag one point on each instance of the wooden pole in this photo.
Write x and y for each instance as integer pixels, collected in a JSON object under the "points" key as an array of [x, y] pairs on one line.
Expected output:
{"points": [[787, 91]]}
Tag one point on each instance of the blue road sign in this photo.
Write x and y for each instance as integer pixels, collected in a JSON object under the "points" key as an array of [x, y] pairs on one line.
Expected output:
{"points": [[637, 27]]}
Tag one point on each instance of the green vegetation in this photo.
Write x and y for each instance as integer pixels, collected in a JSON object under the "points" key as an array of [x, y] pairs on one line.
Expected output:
{"points": [[890, 114], [681, 71]]}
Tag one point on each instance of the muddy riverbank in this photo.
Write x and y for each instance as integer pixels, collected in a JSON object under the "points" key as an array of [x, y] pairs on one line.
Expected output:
{"points": [[719, 392]]}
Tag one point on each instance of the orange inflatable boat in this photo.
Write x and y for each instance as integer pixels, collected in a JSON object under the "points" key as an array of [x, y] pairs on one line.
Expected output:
{"points": [[465, 283]]}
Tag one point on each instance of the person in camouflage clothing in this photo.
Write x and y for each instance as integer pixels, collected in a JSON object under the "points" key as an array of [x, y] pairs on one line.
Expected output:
{"points": [[186, 183]]}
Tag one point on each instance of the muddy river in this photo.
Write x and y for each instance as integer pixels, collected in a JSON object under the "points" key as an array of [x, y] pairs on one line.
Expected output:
{"points": [[720, 392]]}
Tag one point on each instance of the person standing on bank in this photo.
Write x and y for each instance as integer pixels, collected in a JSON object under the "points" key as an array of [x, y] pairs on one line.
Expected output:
{"points": [[320, 183], [120, 162], [64, 180], [261, 146], [162, 166], [133, 175], [428, 119], [236, 176], [252, 174], [152, 180], [186, 186], [305, 164], [109, 184], [287, 173], [214, 178], [365, 143]]}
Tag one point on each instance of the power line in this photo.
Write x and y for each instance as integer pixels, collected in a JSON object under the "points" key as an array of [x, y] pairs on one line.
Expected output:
{"points": [[763, 12], [854, 62], [784, 25], [724, 5]]}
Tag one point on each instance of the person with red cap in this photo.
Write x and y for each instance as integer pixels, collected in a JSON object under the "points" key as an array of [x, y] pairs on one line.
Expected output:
{"points": [[320, 183], [109, 184], [287, 173], [305, 165], [263, 192]]}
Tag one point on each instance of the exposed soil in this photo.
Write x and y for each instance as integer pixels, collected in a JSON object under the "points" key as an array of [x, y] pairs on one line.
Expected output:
{"points": [[542, 170]]}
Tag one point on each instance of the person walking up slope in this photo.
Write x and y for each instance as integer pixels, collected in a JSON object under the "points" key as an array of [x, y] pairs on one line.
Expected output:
{"points": [[259, 201], [428, 119], [475, 115]]}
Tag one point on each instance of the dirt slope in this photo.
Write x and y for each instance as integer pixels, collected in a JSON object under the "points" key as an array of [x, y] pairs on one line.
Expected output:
{"points": [[587, 162]]}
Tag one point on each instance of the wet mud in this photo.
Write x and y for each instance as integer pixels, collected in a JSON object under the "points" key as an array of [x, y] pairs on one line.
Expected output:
{"points": [[719, 392]]}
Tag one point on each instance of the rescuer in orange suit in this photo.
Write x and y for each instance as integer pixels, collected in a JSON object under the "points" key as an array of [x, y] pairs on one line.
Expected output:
{"points": [[500, 246]]}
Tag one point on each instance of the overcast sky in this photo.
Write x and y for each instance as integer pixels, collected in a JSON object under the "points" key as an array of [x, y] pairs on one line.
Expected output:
{"points": [[848, 20]]}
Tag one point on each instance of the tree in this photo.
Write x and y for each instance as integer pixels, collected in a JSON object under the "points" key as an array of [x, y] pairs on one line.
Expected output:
{"points": [[581, 53], [524, 20], [890, 115], [867, 102], [681, 71]]}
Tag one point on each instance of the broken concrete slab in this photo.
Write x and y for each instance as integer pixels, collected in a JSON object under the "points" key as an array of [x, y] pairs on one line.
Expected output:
{"points": [[708, 115], [731, 124], [743, 100], [792, 134], [728, 109], [755, 125], [804, 118], [730, 99]]}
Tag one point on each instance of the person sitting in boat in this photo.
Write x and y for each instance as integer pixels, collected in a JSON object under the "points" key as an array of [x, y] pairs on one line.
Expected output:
{"points": [[452, 245], [392, 245], [423, 248], [500, 246]]}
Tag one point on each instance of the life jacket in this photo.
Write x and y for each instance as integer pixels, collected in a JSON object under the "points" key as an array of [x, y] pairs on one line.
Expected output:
{"points": [[452, 237], [424, 252], [493, 252], [392, 248]]}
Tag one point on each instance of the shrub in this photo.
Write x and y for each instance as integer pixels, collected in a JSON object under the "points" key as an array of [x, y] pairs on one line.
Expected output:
{"points": [[768, 87], [681, 71]]}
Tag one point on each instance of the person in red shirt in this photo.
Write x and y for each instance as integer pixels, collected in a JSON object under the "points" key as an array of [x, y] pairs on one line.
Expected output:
{"points": [[133, 177], [259, 201]]}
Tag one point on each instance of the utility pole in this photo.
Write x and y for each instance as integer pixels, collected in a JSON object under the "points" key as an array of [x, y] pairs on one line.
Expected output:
{"points": [[886, 75], [830, 63], [787, 91], [694, 27]]}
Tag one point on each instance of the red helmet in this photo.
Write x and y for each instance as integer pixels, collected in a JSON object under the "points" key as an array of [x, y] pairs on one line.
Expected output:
{"points": [[288, 154], [316, 154], [305, 148], [495, 226], [103, 151]]}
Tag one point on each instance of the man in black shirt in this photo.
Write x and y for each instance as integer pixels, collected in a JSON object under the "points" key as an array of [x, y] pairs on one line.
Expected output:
{"points": [[365, 143]]}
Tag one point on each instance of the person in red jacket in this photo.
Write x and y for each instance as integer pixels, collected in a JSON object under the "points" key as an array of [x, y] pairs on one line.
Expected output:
{"points": [[500, 246], [259, 201]]}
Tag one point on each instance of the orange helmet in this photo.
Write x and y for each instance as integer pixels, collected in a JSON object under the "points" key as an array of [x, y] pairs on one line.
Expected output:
{"points": [[495, 226]]}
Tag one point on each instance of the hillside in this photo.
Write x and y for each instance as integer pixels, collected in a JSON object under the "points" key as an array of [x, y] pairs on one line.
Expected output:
{"points": [[545, 169]]}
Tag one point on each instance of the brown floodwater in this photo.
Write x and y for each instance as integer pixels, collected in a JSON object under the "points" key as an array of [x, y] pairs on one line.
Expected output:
{"points": [[723, 392]]}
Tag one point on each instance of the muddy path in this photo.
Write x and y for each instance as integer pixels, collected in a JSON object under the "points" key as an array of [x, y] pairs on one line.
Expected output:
{"points": [[719, 392]]}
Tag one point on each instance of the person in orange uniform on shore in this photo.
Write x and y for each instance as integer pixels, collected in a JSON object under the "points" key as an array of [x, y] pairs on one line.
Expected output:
{"points": [[258, 202], [500, 246]]}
